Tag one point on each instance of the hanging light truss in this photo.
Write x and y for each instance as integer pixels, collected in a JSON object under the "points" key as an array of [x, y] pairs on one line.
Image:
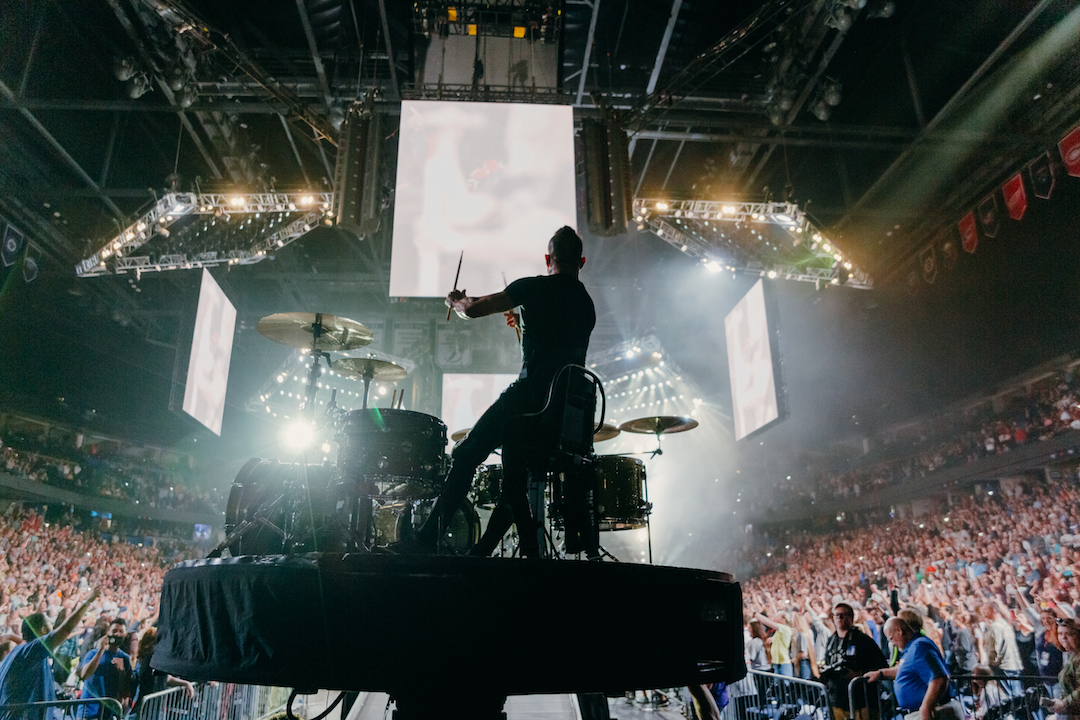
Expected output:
{"points": [[196, 230], [768, 239]]}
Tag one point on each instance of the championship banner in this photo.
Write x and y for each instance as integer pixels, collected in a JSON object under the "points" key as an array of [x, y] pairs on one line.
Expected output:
{"points": [[1015, 197], [1070, 152], [1042, 176], [988, 215], [969, 234]]}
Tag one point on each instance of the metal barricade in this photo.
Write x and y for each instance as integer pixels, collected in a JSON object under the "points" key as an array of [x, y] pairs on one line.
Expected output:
{"points": [[59, 708], [767, 696], [982, 697], [215, 701]]}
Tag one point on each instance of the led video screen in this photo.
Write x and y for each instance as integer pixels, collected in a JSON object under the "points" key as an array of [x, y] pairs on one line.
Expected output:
{"points": [[211, 351], [754, 363], [465, 397], [491, 180]]}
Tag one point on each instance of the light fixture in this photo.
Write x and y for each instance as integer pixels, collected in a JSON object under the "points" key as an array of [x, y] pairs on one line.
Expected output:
{"points": [[662, 205]]}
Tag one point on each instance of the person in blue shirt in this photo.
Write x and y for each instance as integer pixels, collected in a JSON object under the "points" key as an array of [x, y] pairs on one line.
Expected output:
{"points": [[106, 670], [26, 673], [920, 679]]}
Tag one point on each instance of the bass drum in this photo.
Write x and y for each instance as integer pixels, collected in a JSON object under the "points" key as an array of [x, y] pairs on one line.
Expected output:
{"points": [[393, 447], [397, 519], [620, 504], [289, 503]]}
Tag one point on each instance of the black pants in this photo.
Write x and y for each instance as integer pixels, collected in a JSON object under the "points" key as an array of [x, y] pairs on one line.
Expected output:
{"points": [[492, 430]]}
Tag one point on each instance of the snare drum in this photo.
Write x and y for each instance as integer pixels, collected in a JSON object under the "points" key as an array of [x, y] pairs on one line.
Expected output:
{"points": [[620, 504], [487, 486], [393, 446], [291, 501]]}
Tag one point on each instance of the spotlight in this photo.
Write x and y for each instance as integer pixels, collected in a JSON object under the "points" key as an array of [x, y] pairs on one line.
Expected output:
{"points": [[832, 93], [821, 110], [307, 200], [662, 205], [138, 86], [236, 201], [299, 434]]}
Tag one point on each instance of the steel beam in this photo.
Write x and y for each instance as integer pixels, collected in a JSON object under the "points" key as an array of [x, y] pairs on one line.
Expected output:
{"points": [[8, 95], [588, 51], [675, 7], [389, 48], [305, 21]]}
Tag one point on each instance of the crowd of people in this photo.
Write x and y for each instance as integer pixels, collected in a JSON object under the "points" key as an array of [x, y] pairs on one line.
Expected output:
{"points": [[98, 597], [1043, 410], [56, 459], [992, 580]]}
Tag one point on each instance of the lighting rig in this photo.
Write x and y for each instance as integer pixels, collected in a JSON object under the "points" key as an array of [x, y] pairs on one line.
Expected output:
{"points": [[641, 381], [532, 19], [195, 230], [767, 239], [283, 392]]}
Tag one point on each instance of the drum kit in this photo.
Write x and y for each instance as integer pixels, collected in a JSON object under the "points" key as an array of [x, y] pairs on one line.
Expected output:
{"points": [[390, 464]]}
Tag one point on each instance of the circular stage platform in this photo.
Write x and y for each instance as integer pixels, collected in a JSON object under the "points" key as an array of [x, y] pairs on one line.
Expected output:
{"points": [[413, 624]]}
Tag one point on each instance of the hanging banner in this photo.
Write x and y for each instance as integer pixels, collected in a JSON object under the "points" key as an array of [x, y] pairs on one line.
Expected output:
{"points": [[969, 234], [988, 215], [1069, 147], [1015, 197], [929, 264], [1042, 176], [12, 247], [949, 254]]}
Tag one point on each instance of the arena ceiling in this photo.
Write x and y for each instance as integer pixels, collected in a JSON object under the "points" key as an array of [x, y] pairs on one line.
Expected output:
{"points": [[884, 121]]}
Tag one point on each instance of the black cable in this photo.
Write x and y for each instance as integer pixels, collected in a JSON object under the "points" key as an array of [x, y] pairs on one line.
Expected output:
{"points": [[320, 716]]}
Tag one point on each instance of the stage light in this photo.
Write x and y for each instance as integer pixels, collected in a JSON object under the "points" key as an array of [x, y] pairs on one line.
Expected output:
{"points": [[662, 205], [826, 247], [236, 201], [729, 209], [307, 200], [299, 434], [772, 274], [326, 447]]}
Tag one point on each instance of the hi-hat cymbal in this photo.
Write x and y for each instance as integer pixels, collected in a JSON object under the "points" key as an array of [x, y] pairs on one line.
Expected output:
{"points": [[377, 370], [606, 432], [297, 329], [662, 425], [460, 434]]}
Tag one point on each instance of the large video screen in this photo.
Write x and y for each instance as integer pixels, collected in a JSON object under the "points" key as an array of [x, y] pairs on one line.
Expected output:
{"points": [[211, 351], [754, 363], [492, 180], [465, 397]]}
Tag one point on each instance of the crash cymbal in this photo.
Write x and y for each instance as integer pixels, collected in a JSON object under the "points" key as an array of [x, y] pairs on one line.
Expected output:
{"points": [[377, 370], [662, 425], [460, 434], [606, 432], [297, 329]]}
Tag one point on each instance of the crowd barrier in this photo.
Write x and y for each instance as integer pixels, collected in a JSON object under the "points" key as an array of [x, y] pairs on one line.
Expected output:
{"points": [[767, 696], [215, 701], [59, 708], [985, 697]]}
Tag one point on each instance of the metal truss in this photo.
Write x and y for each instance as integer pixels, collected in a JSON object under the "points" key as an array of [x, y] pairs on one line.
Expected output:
{"points": [[783, 213], [115, 256], [831, 273], [486, 93], [500, 18]]}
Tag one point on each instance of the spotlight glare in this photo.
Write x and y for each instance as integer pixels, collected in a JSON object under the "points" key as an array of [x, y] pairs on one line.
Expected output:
{"points": [[662, 205], [299, 434]]}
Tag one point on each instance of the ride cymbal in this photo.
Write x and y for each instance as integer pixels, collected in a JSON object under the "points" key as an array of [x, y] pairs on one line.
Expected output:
{"points": [[369, 367], [661, 425], [298, 330], [606, 432], [460, 434]]}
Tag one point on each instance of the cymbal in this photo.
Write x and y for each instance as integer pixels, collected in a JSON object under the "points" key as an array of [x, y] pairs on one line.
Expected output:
{"points": [[297, 329], [460, 434], [606, 432], [377, 370], [662, 425]]}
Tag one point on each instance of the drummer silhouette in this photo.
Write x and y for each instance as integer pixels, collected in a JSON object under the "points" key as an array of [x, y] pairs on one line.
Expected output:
{"points": [[557, 317]]}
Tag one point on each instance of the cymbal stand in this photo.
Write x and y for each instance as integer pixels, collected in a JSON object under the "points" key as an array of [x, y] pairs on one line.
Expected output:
{"points": [[315, 371], [369, 374]]}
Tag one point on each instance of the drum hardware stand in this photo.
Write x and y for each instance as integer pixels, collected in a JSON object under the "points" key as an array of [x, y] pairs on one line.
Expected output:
{"points": [[257, 519]]}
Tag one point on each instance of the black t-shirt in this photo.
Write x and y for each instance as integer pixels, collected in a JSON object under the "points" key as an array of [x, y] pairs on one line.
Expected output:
{"points": [[557, 318]]}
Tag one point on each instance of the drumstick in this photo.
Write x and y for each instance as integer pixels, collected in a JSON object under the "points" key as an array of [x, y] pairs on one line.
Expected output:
{"points": [[456, 278], [517, 327]]}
